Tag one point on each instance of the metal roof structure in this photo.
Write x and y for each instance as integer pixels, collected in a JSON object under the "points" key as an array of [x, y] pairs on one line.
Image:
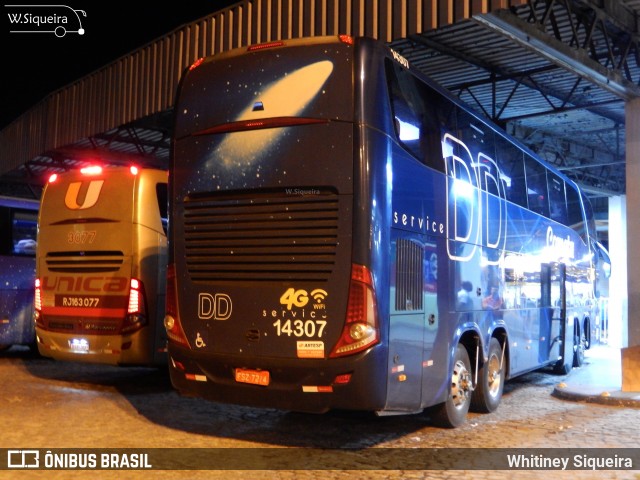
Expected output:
{"points": [[553, 73]]}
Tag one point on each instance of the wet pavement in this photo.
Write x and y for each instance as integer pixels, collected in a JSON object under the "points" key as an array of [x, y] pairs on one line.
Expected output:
{"points": [[63, 405]]}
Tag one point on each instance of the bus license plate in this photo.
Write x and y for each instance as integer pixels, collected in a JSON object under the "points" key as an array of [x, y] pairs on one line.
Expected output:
{"points": [[254, 377]]}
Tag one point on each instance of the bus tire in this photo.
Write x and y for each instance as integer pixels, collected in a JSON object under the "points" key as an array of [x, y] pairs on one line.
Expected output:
{"points": [[453, 412], [578, 344], [587, 332], [562, 367], [491, 376]]}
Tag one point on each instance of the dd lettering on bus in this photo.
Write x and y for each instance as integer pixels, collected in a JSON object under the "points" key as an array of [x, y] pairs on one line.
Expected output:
{"points": [[217, 306]]}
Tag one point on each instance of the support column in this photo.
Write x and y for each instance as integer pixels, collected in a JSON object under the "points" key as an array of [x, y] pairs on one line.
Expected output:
{"points": [[631, 353], [615, 329]]}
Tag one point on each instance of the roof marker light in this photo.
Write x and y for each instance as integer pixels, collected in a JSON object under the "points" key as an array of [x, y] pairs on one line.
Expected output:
{"points": [[92, 170], [262, 46], [196, 64], [348, 39]]}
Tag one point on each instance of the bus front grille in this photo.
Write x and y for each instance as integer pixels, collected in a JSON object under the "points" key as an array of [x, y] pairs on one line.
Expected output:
{"points": [[266, 236]]}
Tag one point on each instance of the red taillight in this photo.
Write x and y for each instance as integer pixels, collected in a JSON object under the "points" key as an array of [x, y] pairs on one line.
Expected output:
{"points": [[361, 324], [53, 177], [342, 379], [37, 299], [37, 302], [134, 297], [134, 170], [172, 319], [348, 39], [136, 309]]}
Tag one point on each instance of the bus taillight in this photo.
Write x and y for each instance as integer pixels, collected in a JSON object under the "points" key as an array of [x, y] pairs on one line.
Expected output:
{"points": [[172, 319], [37, 301], [136, 311], [361, 325]]}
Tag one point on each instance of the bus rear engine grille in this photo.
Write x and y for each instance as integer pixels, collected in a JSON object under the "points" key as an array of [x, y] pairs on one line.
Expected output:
{"points": [[262, 237], [85, 261]]}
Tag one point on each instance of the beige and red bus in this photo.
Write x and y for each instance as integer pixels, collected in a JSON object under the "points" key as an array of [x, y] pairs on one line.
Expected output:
{"points": [[101, 266]]}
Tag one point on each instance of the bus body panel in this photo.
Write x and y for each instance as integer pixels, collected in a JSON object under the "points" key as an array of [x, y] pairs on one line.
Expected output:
{"points": [[18, 232], [102, 230], [304, 386]]}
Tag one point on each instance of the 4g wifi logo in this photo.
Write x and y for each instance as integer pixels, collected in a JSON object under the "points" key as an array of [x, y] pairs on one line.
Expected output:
{"points": [[300, 298]]}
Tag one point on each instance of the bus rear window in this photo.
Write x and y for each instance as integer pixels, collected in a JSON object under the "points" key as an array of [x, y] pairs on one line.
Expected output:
{"points": [[313, 82]]}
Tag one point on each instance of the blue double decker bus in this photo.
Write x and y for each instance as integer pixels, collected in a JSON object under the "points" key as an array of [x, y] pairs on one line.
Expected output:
{"points": [[345, 234]]}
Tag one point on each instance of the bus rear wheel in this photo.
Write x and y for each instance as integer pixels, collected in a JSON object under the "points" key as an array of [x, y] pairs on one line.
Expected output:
{"points": [[453, 412], [579, 341], [488, 393]]}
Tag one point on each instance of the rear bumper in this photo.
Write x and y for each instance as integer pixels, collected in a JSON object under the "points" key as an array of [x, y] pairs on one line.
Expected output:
{"points": [[129, 349], [304, 385]]}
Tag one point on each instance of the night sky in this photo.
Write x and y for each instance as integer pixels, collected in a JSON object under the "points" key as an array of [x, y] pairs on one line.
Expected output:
{"points": [[36, 64]]}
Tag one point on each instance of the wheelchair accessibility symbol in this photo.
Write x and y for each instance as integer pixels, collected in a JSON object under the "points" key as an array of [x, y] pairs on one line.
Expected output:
{"points": [[199, 341]]}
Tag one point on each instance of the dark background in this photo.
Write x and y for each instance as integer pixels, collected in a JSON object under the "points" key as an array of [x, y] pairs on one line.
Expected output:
{"points": [[36, 64]]}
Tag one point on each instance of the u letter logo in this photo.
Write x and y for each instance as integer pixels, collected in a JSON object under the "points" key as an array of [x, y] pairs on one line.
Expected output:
{"points": [[90, 198]]}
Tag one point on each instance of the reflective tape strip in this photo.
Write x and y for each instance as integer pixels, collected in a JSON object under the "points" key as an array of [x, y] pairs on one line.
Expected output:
{"points": [[317, 389], [197, 378]]}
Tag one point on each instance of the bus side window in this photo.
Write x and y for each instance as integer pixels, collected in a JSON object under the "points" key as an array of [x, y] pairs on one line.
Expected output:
{"points": [[557, 199], [510, 161], [6, 244], [24, 227], [417, 115], [18, 231], [574, 211], [537, 186], [161, 193]]}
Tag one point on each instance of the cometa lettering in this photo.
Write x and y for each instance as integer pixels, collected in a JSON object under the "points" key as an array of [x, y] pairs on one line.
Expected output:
{"points": [[563, 247]]}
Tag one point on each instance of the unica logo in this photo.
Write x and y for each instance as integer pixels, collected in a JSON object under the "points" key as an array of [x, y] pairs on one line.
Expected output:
{"points": [[90, 198]]}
